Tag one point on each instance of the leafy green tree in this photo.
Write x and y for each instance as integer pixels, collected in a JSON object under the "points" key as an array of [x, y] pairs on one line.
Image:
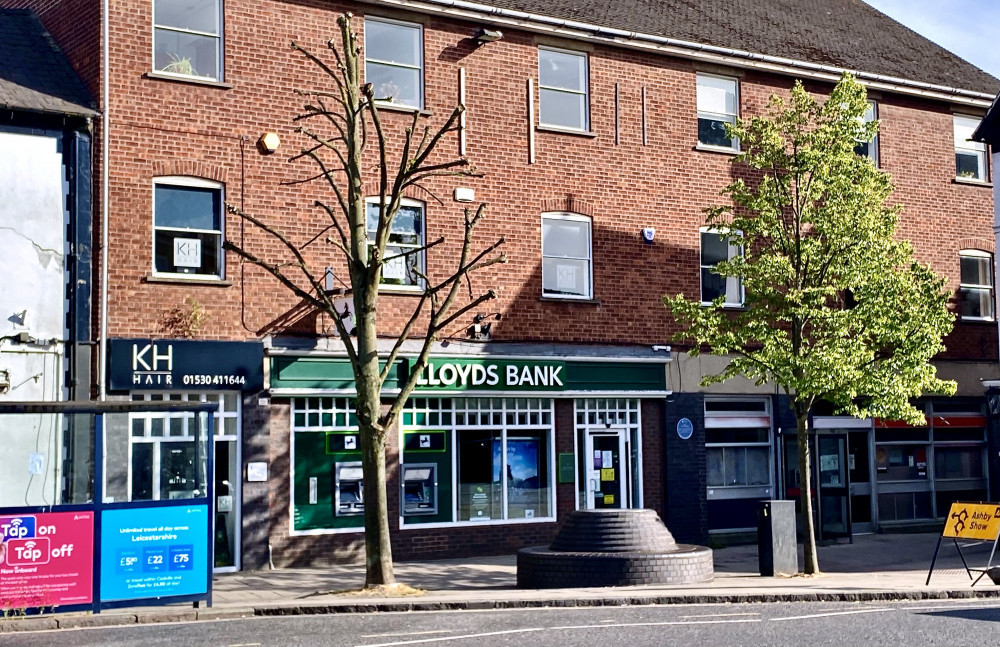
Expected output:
{"points": [[342, 124], [836, 307]]}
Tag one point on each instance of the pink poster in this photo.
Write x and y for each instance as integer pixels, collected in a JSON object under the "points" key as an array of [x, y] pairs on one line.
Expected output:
{"points": [[46, 559]]}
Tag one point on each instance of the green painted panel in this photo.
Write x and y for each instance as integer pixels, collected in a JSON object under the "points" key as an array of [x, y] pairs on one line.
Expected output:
{"points": [[567, 468], [313, 461], [443, 461], [445, 374]]}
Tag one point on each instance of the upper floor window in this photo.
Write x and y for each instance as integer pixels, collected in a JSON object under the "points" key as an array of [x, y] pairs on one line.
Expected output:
{"points": [[970, 156], [715, 248], [566, 256], [187, 38], [404, 256], [187, 226], [870, 148], [394, 61], [976, 290], [562, 89], [718, 104]]}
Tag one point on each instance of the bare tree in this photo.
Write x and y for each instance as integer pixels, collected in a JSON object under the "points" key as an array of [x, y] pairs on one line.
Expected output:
{"points": [[348, 120]]}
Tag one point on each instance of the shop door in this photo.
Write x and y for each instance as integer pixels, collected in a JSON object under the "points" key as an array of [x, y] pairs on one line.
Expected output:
{"points": [[834, 509], [606, 460], [859, 475]]}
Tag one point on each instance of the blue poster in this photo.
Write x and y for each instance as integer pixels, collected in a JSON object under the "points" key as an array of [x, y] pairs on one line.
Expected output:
{"points": [[154, 552]]}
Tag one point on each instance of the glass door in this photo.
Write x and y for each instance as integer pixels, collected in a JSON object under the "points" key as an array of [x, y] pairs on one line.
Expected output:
{"points": [[606, 480], [833, 492], [859, 473]]}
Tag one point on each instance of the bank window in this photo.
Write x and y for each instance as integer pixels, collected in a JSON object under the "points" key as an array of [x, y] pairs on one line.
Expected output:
{"points": [[716, 248], [970, 156], [394, 61], [404, 254], [976, 288], [869, 149], [327, 493], [187, 38], [718, 105], [187, 227], [566, 256], [562, 89]]}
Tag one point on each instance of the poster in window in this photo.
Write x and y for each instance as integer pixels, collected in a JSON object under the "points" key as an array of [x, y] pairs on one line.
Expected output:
{"points": [[395, 269], [187, 252], [566, 278]]}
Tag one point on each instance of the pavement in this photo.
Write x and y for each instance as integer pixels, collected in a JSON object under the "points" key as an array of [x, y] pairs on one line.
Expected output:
{"points": [[873, 567]]}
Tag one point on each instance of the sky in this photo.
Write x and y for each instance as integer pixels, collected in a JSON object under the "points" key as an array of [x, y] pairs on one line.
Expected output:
{"points": [[969, 28]]}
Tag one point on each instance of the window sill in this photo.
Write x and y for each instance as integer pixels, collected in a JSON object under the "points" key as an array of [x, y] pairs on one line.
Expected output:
{"points": [[405, 290], [725, 306], [554, 299], [159, 76], [977, 321], [962, 180], [395, 107], [213, 282], [717, 149], [566, 131]]}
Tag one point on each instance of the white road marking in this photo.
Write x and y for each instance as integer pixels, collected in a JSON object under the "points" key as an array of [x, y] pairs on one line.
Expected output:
{"points": [[722, 615], [559, 628], [832, 613], [406, 633]]}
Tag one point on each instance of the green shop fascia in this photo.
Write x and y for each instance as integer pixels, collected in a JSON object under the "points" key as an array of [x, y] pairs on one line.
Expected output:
{"points": [[478, 435]]}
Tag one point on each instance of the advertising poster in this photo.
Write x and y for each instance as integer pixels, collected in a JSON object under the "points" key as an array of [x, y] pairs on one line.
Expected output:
{"points": [[154, 552], [46, 559]]}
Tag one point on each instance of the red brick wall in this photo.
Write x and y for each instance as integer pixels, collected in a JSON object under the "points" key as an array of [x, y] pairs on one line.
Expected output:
{"points": [[665, 184]]}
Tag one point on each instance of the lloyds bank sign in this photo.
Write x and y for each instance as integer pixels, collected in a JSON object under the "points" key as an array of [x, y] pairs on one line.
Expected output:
{"points": [[491, 375]]}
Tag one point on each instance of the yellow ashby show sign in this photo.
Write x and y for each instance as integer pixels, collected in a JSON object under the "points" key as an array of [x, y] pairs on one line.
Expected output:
{"points": [[972, 521]]}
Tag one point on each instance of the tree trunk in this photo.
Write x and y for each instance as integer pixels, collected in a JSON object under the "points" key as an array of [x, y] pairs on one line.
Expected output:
{"points": [[811, 566], [378, 549]]}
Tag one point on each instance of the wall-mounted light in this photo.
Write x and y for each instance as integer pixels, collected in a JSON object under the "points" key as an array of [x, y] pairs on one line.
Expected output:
{"points": [[484, 36], [483, 331], [268, 143], [465, 194]]}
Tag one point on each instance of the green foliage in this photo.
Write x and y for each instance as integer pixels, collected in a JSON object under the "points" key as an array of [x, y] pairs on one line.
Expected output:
{"points": [[836, 308]]}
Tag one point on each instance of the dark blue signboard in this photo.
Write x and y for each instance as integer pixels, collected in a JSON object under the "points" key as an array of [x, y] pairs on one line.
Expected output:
{"points": [[154, 552], [185, 365]]}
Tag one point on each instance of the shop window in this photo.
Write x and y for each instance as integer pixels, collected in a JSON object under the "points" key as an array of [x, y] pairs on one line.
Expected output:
{"points": [[327, 488], [562, 89], [394, 60], [869, 149], [566, 256], [904, 506], [483, 467], [970, 156], [976, 289], [187, 38], [187, 227], [958, 463], [718, 105], [716, 248], [404, 254]]}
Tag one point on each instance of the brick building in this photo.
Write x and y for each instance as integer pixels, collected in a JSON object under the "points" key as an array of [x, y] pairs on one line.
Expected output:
{"points": [[593, 123]]}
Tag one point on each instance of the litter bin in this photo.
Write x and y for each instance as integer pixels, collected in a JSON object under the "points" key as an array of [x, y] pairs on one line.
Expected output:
{"points": [[777, 546]]}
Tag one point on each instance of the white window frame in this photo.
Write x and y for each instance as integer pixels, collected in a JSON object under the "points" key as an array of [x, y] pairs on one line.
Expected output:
{"points": [[597, 414], [576, 217], [977, 287], [720, 116], [405, 202], [492, 414], [702, 231], [585, 93], [340, 405], [420, 66], [198, 183], [972, 148], [756, 416], [220, 49], [873, 150]]}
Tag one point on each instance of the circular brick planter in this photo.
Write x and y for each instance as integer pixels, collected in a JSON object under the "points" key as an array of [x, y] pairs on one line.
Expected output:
{"points": [[612, 548]]}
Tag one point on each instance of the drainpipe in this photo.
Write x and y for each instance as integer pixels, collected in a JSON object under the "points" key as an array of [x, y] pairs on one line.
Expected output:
{"points": [[102, 360]]}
